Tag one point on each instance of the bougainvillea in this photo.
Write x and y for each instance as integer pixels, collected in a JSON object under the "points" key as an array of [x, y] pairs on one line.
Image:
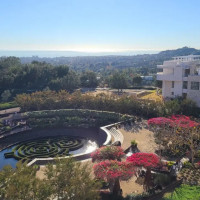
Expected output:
{"points": [[177, 134], [175, 120], [159, 121], [111, 169], [108, 153], [183, 121], [144, 160]]}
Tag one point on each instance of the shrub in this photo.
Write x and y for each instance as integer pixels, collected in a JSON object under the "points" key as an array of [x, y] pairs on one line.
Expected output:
{"points": [[133, 143], [188, 165], [108, 152], [186, 192], [111, 169], [144, 160]]}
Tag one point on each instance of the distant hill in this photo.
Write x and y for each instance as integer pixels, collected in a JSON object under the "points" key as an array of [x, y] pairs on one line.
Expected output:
{"points": [[146, 62], [180, 52]]}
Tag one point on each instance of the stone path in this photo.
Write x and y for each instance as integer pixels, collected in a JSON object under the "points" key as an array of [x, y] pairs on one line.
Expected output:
{"points": [[146, 143]]}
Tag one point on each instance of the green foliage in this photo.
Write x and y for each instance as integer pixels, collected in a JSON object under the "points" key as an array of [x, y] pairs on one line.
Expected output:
{"points": [[66, 179], [5, 95], [134, 196], [47, 100], [118, 81], [88, 79], [181, 106], [73, 118], [137, 80], [7, 105], [170, 163], [21, 184], [188, 165], [186, 192], [71, 180], [133, 143], [7, 128]]}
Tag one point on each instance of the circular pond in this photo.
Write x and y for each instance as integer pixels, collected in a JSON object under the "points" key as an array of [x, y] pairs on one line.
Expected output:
{"points": [[54, 142]]}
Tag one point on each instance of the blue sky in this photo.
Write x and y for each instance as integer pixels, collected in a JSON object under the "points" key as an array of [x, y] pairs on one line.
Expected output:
{"points": [[99, 25]]}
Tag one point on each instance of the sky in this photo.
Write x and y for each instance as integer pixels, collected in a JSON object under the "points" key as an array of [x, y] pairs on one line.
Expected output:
{"points": [[99, 25]]}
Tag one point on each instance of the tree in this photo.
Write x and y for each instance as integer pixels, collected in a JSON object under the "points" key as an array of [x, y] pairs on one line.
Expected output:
{"points": [[146, 160], [71, 180], [137, 80], [65, 179], [118, 81], [5, 95], [113, 171], [21, 183], [89, 79]]}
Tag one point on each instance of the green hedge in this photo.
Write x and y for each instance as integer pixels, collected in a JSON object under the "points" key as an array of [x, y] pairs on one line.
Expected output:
{"points": [[73, 118]]}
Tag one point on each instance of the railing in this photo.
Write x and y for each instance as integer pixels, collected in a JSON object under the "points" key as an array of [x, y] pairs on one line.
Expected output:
{"points": [[111, 131]]}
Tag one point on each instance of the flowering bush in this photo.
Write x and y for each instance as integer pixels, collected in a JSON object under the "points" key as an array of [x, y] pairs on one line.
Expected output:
{"points": [[108, 153], [144, 160], [175, 120], [159, 121], [111, 169], [178, 134], [183, 121]]}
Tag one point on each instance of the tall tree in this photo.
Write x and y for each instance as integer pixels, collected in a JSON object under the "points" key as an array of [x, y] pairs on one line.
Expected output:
{"points": [[21, 183], [118, 81], [88, 79], [71, 180], [137, 80]]}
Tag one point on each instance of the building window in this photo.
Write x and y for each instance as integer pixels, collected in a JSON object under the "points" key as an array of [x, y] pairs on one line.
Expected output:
{"points": [[185, 84], [187, 72], [172, 84], [194, 85], [172, 93]]}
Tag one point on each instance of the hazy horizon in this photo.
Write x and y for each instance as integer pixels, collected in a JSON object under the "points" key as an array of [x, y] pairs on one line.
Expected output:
{"points": [[52, 53]]}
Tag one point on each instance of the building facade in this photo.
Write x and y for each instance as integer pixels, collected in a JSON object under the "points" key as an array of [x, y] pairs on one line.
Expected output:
{"points": [[181, 77]]}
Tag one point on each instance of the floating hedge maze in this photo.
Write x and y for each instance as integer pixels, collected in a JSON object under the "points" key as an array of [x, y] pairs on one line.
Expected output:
{"points": [[45, 148]]}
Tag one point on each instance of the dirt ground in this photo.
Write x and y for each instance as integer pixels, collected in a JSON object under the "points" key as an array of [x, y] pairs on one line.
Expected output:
{"points": [[140, 133]]}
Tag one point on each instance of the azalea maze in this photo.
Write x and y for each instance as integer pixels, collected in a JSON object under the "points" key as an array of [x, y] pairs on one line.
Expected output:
{"points": [[45, 148]]}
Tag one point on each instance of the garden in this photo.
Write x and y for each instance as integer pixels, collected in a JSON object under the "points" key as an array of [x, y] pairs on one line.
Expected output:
{"points": [[175, 166]]}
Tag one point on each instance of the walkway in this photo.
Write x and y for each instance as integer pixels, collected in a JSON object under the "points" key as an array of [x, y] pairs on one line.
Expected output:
{"points": [[10, 110], [140, 133]]}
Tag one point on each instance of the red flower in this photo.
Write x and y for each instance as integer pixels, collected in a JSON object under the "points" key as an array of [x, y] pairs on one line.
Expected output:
{"points": [[108, 152], [175, 120], [112, 169], [144, 160], [159, 121]]}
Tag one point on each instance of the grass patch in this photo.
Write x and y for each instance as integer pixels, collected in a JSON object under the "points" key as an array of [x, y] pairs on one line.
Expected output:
{"points": [[8, 105]]}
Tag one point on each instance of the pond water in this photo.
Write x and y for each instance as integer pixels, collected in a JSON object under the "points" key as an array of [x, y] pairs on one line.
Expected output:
{"points": [[44, 148]]}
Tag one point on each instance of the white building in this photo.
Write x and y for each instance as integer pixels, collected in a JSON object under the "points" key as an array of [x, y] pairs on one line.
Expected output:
{"points": [[181, 77]]}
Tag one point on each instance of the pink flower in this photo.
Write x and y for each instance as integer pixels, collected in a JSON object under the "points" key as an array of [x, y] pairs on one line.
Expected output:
{"points": [[112, 169], [108, 152], [144, 160]]}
